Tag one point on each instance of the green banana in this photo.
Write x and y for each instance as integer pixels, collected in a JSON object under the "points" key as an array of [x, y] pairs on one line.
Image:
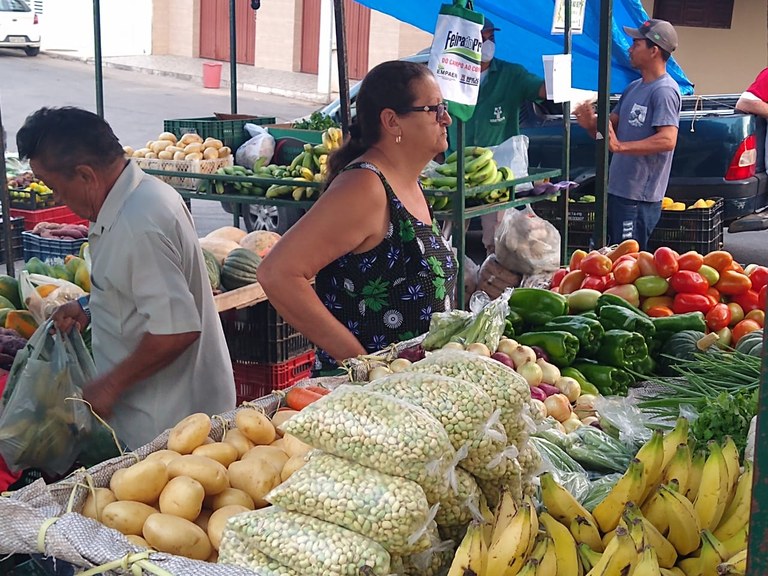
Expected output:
{"points": [[452, 157], [297, 161], [298, 193], [451, 181], [219, 187], [277, 190], [320, 149], [478, 162], [447, 169], [486, 175]]}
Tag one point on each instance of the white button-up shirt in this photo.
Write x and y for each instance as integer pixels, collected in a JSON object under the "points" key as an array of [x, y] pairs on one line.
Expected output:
{"points": [[149, 275]]}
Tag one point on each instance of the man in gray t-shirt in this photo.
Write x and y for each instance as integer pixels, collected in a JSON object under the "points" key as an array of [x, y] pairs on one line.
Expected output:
{"points": [[642, 135]]}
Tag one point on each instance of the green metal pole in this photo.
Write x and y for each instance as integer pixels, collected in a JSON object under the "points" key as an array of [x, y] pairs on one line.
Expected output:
{"points": [[233, 56], [341, 58], [603, 118], [97, 57], [457, 229], [567, 48], [6, 199]]}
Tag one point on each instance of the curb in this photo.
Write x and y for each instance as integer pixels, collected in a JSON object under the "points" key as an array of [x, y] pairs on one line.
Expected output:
{"points": [[241, 86]]}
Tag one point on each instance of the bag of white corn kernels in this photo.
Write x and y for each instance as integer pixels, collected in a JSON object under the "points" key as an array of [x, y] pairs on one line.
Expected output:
{"points": [[380, 432], [431, 562], [390, 510], [307, 545], [232, 552], [462, 505]]}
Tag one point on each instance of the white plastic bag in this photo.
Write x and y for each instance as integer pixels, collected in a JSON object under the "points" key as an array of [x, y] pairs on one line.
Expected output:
{"points": [[513, 153], [527, 244], [261, 145], [42, 307]]}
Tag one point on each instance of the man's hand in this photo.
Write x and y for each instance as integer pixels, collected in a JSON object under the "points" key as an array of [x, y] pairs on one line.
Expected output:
{"points": [[68, 315], [102, 393], [585, 116], [614, 144]]}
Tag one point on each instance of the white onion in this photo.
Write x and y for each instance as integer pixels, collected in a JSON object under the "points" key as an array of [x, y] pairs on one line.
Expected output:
{"points": [[453, 346], [479, 348], [570, 387], [558, 407], [507, 346], [399, 364], [378, 372], [522, 355], [572, 423], [531, 372], [549, 372]]}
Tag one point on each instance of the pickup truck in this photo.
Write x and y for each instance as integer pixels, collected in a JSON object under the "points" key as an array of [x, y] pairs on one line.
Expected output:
{"points": [[720, 152]]}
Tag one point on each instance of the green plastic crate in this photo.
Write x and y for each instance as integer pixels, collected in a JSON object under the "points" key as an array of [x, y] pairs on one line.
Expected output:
{"points": [[285, 131], [230, 131]]}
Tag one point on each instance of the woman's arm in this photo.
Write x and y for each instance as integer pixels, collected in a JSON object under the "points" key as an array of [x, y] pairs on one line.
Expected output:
{"points": [[350, 216]]}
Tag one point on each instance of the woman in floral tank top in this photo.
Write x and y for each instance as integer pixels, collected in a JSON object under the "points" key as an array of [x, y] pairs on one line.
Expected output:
{"points": [[380, 263]]}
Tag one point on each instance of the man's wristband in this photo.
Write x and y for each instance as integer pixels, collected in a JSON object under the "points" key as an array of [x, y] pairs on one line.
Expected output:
{"points": [[83, 301]]}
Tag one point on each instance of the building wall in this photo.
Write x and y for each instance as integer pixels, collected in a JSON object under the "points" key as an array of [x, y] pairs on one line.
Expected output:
{"points": [[177, 27], [724, 61], [278, 35]]}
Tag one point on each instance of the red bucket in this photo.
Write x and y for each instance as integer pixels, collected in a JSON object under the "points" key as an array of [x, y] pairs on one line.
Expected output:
{"points": [[211, 74]]}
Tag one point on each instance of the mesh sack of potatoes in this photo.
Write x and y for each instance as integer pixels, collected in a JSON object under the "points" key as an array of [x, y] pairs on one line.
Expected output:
{"points": [[307, 545], [380, 432], [390, 510]]}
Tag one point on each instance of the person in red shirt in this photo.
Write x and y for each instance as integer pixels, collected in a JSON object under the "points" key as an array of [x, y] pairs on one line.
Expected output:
{"points": [[754, 100]]}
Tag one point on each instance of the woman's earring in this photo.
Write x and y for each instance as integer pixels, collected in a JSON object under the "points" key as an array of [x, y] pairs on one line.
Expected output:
{"points": [[399, 139]]}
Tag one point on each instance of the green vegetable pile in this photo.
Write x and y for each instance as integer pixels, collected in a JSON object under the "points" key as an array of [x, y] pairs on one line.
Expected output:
{"points": [[316, 121]]}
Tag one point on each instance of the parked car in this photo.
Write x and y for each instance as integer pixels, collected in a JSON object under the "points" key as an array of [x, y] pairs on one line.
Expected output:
{"points": [[19, 27]]}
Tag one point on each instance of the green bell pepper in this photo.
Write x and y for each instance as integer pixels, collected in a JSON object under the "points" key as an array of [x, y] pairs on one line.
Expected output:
{"points": [[513, 325], [609, 380], [537, 306], [645, 366], [621, 349], [680, 322], [586, 386], [622, 318], [561, 347], [589, 314], [613, 300], [588, 331]]}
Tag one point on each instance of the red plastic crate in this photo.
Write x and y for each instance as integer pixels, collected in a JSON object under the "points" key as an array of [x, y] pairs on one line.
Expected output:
{"points": [[58, 214], [254, 380]]}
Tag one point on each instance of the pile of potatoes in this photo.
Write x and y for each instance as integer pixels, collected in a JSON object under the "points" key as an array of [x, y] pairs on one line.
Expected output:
{"points": [[177, 500], [188, 147]]}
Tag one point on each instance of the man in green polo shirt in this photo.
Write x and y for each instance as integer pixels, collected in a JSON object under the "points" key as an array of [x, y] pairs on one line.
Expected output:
{"points": [[504, 87]]}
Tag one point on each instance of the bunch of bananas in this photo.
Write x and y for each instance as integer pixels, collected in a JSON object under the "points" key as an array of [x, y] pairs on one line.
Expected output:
{"points": [[670, 514], [480, 169]]}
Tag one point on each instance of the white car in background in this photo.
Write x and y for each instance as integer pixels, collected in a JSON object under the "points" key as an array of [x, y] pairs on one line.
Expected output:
{"points": [[19, 27]]}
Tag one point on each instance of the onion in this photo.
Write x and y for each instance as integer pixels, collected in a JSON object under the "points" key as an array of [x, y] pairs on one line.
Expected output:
{"points": [[453, 346], [522, 355], [507, 346], [504, 359], [558, 407], [531, 372], [590, 421], [414, 353], [537, 394], [549, 372], [399, 364], [479, 348], [585, 405], [378, 372], [537, 408], [572, 423], [540, 352], [548, 389], [570, 387]]}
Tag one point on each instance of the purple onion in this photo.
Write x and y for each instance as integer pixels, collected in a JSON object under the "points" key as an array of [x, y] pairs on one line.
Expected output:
{"points": [[540, 353], [413, 354], [537, 393], [548, 389]]}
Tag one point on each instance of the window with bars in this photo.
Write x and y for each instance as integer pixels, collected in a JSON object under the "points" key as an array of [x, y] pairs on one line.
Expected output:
{"points": [[695, 13]]}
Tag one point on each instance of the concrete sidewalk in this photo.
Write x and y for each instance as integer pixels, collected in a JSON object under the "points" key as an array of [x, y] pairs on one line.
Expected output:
{"points": [[294, 85]]}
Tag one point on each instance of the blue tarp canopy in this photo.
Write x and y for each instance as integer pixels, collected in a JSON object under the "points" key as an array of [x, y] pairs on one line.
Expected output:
{"points": [[525, 35]]}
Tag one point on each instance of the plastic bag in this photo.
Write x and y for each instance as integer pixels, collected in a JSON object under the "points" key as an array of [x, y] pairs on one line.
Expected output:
{"points": [[43, 422], [620, 418], [42, 307], [513, 153], [527, 244], [599, 489], [597, 451], [487, 326], [462, 505], [443, 325], [493, 278], [261, 145]]}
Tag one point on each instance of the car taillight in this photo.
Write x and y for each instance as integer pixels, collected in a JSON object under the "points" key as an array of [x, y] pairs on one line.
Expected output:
{"points": [[744, 160], [35, 20]]}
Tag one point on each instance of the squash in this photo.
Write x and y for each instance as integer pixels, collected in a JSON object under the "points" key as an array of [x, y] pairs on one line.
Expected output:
{"points": [[219, 247], [684, 346], [9, 289], [228, 233], [213, 269], [260, 241], [22, 321], [239, 268], [751, 343]]}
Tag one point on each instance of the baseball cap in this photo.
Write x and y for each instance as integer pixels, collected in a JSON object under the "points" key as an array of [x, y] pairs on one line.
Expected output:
{"points": [[660, 32], [488, 25]]}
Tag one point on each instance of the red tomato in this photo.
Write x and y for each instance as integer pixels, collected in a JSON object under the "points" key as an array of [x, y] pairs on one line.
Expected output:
{"points": [[737, 267], [647, 267], [718, 317], [747, 300], [558, 276], [625, 258], [761, 298], [759, 277], [627, 291], [665, 261], [659, 311], [576, 258], [594, 282], [737, 313], [654, 301], [719, 260], [756, 315], [690, 261], [610, 281], [715, 293], [691, 303], [733, 283], [626, 247], [688, 281], [596, 264], [571, 281], [626, 272], [744, 327]]}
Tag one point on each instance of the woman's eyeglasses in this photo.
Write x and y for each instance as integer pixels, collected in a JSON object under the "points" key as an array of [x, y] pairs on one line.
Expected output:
{"points": [[440, 110]]}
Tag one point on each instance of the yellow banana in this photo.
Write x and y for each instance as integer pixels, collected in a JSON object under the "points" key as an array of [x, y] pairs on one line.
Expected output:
{"points": [[488, 520], [679, 467], [561, 504], [714, 489], [737, 542], [684, 524], [503, 515], [307, 174], [665, 552], [712, 553], [678, 435], [736, 515], [298, 193], [537, 555], [587, 557], [736, 565], [655, 510], [564, 546], [508, 554], [487, 172], [651, 454], [586, 532], [327, 140], [695, 475], [618, 557], [690, 566], [674, 571], [731, 455], [469, 557], [629, 488], [648, 564], [607, 537]]}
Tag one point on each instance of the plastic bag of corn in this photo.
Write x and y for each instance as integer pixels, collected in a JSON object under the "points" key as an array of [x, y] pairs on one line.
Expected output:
{"points": [[390, 510], [233, 550], [512, 481], [459, 506], [508, 390], [307, 545], [430, 562], [380, 432]]}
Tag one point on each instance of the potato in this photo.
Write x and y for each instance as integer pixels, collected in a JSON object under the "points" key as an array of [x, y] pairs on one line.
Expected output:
{"points": [[150, 155], [165, 155], [170, 136], [190, 138], [128, 150], [211, 474], [149, 144], [179, 155], [189, 433], [194, 147], [228, 497], [202, 520], [141, 482], [220, 451], [294, 463], [174, 149], [182, 497], [219, 520], [126, 517], [282, 416], [96, 501], [267, 455], [210, 153], [163, 456], [193, 156], [239, 441], [256, 426], [279, 443], [295, 447], [225, 151], [137, 541], [141, 152], [167, 533], [212, 143], [160, 145], [254, 478]]}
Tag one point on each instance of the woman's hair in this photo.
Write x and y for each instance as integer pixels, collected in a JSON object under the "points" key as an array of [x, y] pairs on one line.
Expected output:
{"points": [[388, 85]]}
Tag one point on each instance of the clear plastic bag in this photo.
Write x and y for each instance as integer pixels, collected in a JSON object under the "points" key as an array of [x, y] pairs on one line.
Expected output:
{"points": [[462, 505], [487, 325], [513, 153], [597, 451], [42, 307], [493, 278], [260, 145], [599, 489], [443, 325], [526, 243], [620, 418]]}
